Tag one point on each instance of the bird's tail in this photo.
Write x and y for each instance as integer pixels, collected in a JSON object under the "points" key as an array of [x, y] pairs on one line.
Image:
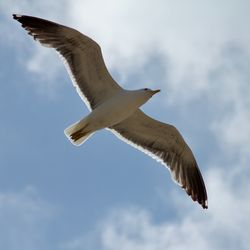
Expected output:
{"points": [[78, 132]]}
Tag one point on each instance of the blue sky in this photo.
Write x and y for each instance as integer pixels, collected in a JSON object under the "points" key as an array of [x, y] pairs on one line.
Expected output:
{"points": [[105, 194]]}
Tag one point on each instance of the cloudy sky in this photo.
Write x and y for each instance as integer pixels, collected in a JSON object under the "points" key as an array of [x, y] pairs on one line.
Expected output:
{"points": [[105, 195]]}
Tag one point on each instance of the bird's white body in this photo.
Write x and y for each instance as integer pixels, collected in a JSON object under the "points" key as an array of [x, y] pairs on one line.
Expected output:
{"points": [[117, 108], [109, 113]]}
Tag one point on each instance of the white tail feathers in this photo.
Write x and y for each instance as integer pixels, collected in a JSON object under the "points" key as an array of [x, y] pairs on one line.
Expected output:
{"points": [[78, 133]]}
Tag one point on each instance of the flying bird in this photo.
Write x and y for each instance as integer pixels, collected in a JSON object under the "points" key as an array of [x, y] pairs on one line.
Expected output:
{"points": [[115, 108]]}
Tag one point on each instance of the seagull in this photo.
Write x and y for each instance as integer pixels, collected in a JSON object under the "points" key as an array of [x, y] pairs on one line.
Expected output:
{"points": [[115, 108]]}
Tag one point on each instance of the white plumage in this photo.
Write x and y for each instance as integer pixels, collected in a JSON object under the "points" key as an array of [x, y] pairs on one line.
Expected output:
{"points": [[114, 108]]}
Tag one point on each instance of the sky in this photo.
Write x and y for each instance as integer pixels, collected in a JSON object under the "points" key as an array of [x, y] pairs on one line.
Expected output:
{"points": [[105, 194]]}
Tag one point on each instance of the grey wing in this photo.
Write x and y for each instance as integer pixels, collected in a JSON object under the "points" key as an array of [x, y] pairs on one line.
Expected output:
{"points": [[164, 143], [82, 57]]}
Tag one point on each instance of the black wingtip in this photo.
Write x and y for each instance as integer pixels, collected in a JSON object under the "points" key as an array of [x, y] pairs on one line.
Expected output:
{"points": [[204, 206], [201, 197], [202, 202], [16, 16]]}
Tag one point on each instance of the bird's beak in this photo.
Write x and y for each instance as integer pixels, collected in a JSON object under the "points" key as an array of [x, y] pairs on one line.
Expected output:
{"points": [[155, 91]]}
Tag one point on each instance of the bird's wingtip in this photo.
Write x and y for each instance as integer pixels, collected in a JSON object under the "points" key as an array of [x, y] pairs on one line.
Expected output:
{"points": [[16, 16], [205, 205], [202, 202]]}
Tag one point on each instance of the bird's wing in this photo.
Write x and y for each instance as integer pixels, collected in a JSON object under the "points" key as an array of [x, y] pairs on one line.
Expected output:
{"points": [[82, 57], [164, 143]]}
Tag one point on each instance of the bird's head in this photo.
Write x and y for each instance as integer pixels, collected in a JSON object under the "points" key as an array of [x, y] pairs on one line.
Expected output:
{"points": [[151, 92], [143, 95]]}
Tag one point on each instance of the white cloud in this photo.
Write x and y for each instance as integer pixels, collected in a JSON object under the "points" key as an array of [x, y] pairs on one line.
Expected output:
{"points": [[23, 220], [224, 225], [230, 91]]}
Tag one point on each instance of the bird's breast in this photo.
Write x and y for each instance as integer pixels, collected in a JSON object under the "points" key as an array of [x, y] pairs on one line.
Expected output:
{"points": [[114, 110]]}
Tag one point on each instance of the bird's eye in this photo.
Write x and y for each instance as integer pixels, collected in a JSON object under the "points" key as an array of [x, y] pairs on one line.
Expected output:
{"points": [[146, 89]]}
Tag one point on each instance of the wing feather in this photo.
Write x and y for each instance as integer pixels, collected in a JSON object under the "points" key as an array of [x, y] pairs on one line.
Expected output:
{"points": [[82, 57], [165, 143]]}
